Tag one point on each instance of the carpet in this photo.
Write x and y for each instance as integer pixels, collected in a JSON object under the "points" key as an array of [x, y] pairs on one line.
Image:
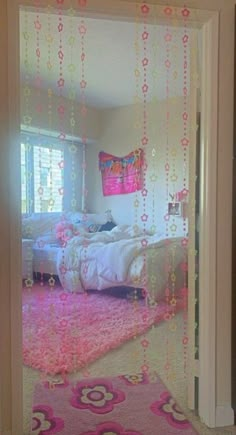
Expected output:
{"points": [[125, 405], [63, 332]]}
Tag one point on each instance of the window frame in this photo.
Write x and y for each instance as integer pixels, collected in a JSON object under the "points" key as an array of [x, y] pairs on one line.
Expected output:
{"points": [[45, 141]]}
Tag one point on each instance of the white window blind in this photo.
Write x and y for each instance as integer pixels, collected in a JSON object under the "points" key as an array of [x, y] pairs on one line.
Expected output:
{"points": [[48, 179], [51, 175]]}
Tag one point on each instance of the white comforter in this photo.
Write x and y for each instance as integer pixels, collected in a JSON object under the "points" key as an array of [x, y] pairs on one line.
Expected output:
{"points": [[107, 259]]}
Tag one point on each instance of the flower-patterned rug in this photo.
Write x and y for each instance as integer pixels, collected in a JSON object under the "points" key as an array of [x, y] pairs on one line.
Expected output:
{"points": [[125, 405]]}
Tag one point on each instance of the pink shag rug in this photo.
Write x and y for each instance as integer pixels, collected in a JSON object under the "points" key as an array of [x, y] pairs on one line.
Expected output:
{"points": [[125, 405], [63, 332]]}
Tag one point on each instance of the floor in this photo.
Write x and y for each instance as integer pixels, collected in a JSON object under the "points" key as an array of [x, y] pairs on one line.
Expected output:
{"points": [[128, 359]]}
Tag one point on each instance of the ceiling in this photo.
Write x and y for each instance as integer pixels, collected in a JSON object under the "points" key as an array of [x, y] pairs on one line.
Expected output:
{"points": [[111, 58]]}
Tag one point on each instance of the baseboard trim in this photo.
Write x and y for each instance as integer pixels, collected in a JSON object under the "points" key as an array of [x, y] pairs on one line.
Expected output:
{"points": [[224, 416]]}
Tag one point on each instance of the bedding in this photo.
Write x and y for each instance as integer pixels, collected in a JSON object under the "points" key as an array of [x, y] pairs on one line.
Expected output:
{"points": [[121, 257], [47, 232], [39, 225]]}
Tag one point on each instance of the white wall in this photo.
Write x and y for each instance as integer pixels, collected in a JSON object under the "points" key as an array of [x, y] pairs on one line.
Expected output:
{"points": [[120, 136], [42, 123]]}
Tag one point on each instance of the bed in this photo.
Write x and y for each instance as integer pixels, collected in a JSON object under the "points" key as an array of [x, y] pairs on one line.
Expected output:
{"points": [[119, 258]]}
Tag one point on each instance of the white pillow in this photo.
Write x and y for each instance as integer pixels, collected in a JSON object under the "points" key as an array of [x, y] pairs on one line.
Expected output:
{"points": [[73, 217], [80, 217], [46, 239], [39, 224]]}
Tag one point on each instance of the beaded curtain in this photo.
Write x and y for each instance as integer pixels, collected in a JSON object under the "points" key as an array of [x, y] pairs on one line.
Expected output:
{"points": [[59, 105]]}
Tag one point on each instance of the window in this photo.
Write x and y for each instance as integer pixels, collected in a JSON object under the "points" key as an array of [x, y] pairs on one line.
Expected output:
{"points": [[42, 176]]}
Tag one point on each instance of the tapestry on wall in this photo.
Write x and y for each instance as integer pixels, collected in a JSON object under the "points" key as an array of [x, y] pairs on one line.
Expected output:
{"points": [[121, 175]]}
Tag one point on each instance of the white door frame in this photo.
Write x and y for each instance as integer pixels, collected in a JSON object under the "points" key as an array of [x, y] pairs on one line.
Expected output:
{"points": [[208, 228], [215, 316]]}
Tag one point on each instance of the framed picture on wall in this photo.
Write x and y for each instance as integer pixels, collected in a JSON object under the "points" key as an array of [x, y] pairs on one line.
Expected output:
{"points": [[174, 209]]}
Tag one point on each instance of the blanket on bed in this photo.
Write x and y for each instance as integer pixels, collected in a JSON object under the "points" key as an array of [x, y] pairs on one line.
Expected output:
{"points": [[102, 260]]}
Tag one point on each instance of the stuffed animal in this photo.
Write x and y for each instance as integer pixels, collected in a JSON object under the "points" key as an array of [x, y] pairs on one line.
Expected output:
{"points": [[64, 231]]}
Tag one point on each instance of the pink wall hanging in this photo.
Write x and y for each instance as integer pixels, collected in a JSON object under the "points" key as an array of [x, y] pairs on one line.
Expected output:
{"points": [[121, 175]]}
